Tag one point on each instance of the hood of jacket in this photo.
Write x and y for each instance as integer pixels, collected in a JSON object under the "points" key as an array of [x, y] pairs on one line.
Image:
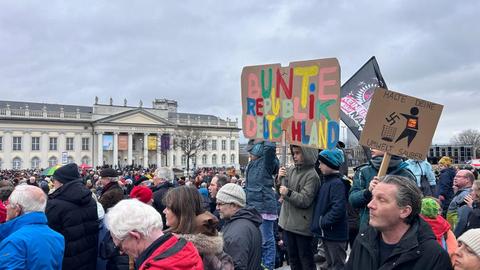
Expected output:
{"points": [[439, 225], [74, 192], [206, 245], [310, 155], [449, 171], [249, 214]]}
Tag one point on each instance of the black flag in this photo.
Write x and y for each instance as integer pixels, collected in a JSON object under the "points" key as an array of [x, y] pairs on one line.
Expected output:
{"points": [[356, 95]]}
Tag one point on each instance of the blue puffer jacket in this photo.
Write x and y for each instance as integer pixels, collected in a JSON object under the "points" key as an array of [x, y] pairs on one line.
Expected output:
{"points": [[330, 215], [259, 181], [28, 243]]}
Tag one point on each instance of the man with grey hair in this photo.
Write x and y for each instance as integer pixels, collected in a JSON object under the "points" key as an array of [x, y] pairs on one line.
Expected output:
{"points": [[141, 236], [26, 240], [162, 183], [396, 237], [457, 213]]}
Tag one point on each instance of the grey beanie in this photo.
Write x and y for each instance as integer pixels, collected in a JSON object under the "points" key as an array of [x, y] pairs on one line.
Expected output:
{"points": [[232, 193], [471, 238]]}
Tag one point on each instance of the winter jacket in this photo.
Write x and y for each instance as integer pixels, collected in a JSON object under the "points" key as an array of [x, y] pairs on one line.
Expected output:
{"points": [[445, 185], [242, 239], [112, 193], [28, 243], [169, 252], [445, 237], [419, 168], [210, 249], [330, 215], [456, 214], [72, 211], [416, 250], [360, 196], [302, 182], [259, 181], [159, 192], [109, 257]]}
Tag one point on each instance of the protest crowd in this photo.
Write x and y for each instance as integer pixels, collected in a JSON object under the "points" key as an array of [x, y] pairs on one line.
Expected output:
{"points": [[310, 213]]}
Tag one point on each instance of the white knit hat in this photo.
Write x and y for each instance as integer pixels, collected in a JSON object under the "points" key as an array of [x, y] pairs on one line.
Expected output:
{"points": [[232, 193], [471, 238]]}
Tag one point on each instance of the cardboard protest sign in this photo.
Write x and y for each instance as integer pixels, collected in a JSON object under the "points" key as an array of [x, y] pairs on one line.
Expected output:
{"points": [[303, 99], [400, 125]]}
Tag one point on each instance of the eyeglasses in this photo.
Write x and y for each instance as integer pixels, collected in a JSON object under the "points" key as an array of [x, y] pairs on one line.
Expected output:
{"points": [[221, 204], [119, 246]]}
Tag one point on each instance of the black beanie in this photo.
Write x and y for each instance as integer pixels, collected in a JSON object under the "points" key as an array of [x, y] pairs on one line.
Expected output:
{"points": [[66, 173]]}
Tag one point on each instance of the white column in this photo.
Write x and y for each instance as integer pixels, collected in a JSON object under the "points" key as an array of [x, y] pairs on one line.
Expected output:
{"points": [[130, 145], [44, 148], [27, 149], [100, 149], [115, 150], [145, 150], [7, 150], [77, 148], [61, 144], [159, 150]]}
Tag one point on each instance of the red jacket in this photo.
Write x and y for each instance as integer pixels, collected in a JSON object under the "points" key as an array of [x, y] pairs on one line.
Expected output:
{"points": [[173, 254]]}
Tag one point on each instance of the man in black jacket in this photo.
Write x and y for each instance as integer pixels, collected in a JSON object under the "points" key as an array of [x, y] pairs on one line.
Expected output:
{"points": [[241, 233], [396, 237], [72, 211]]}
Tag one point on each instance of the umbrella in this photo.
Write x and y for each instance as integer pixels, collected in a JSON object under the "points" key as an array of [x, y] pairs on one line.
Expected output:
{"points": [[50, 170], [85, 166]]}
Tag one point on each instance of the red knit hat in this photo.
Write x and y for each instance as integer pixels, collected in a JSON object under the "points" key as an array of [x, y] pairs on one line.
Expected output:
{"points": [[142, 193]]}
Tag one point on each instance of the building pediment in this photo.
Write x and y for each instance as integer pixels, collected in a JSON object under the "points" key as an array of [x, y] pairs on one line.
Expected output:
{"points": [[135, 117]]}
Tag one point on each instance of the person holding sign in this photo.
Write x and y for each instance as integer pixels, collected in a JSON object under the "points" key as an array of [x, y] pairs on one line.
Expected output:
{"points": [[364, 181], [298, 189], [397, 237]]}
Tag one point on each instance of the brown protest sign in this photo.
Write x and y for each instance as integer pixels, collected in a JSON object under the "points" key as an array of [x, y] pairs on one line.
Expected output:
{"points": [[400, 125], [302, 99]]}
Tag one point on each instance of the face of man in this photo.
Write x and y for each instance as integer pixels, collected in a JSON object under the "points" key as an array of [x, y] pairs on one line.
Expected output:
{"points": [[461, 179], [466, 258], [13, 211], [297, 155], [226, 210], [384, 211], [213, 188]]}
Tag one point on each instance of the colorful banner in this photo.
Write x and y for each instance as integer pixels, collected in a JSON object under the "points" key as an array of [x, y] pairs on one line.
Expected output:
{"points": [[357, 93], [165, 142], [303, 99], [122, 142], [152, 142], [108, 142]]}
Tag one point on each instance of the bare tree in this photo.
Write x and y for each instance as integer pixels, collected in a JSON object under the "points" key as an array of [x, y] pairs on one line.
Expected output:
{"points": [[190, 141], [468, 137]]}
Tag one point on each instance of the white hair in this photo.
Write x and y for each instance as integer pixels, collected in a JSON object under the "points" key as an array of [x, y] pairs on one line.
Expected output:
{"points": [[132, 215], [164, 173], [30, 198]]}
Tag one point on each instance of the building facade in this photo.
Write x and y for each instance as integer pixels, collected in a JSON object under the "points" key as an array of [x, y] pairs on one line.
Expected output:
{"points": [[38, 135], [459, 153]]}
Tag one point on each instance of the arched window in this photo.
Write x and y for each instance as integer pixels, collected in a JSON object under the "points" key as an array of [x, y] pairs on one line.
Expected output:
{"points": [[52, 161], [214, 159], [17, 163], [224, 159], [70, 159], [184, 160], [35, 163], [204, 159], [232, 159], [86, 160]]}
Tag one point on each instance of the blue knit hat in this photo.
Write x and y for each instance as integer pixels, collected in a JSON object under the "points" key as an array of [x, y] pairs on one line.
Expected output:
{"points": [[332, 158]]}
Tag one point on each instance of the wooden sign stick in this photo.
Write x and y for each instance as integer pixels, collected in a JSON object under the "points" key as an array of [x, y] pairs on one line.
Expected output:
{"points": [[384, 166], [283, 162]]}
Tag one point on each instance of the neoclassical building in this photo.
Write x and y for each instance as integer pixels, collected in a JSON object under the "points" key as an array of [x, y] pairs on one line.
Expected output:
{"points": [[39, 135]]}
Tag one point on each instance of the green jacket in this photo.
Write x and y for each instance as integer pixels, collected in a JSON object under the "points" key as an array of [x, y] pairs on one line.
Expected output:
{"points": [[302, 182], [360, 196]]}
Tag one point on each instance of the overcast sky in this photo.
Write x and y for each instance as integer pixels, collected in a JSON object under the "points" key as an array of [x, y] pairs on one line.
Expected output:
{"points": [[68, 52]]}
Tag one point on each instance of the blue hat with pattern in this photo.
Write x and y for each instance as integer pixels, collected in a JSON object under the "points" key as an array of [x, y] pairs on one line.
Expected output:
{"points": [[333, 158]]}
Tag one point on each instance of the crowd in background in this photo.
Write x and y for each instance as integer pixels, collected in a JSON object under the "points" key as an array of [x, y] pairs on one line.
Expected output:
{"points": [[262, 217]]}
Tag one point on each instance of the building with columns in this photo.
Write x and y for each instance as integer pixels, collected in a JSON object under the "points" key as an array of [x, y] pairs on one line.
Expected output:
{"points": [[39, 135]]}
